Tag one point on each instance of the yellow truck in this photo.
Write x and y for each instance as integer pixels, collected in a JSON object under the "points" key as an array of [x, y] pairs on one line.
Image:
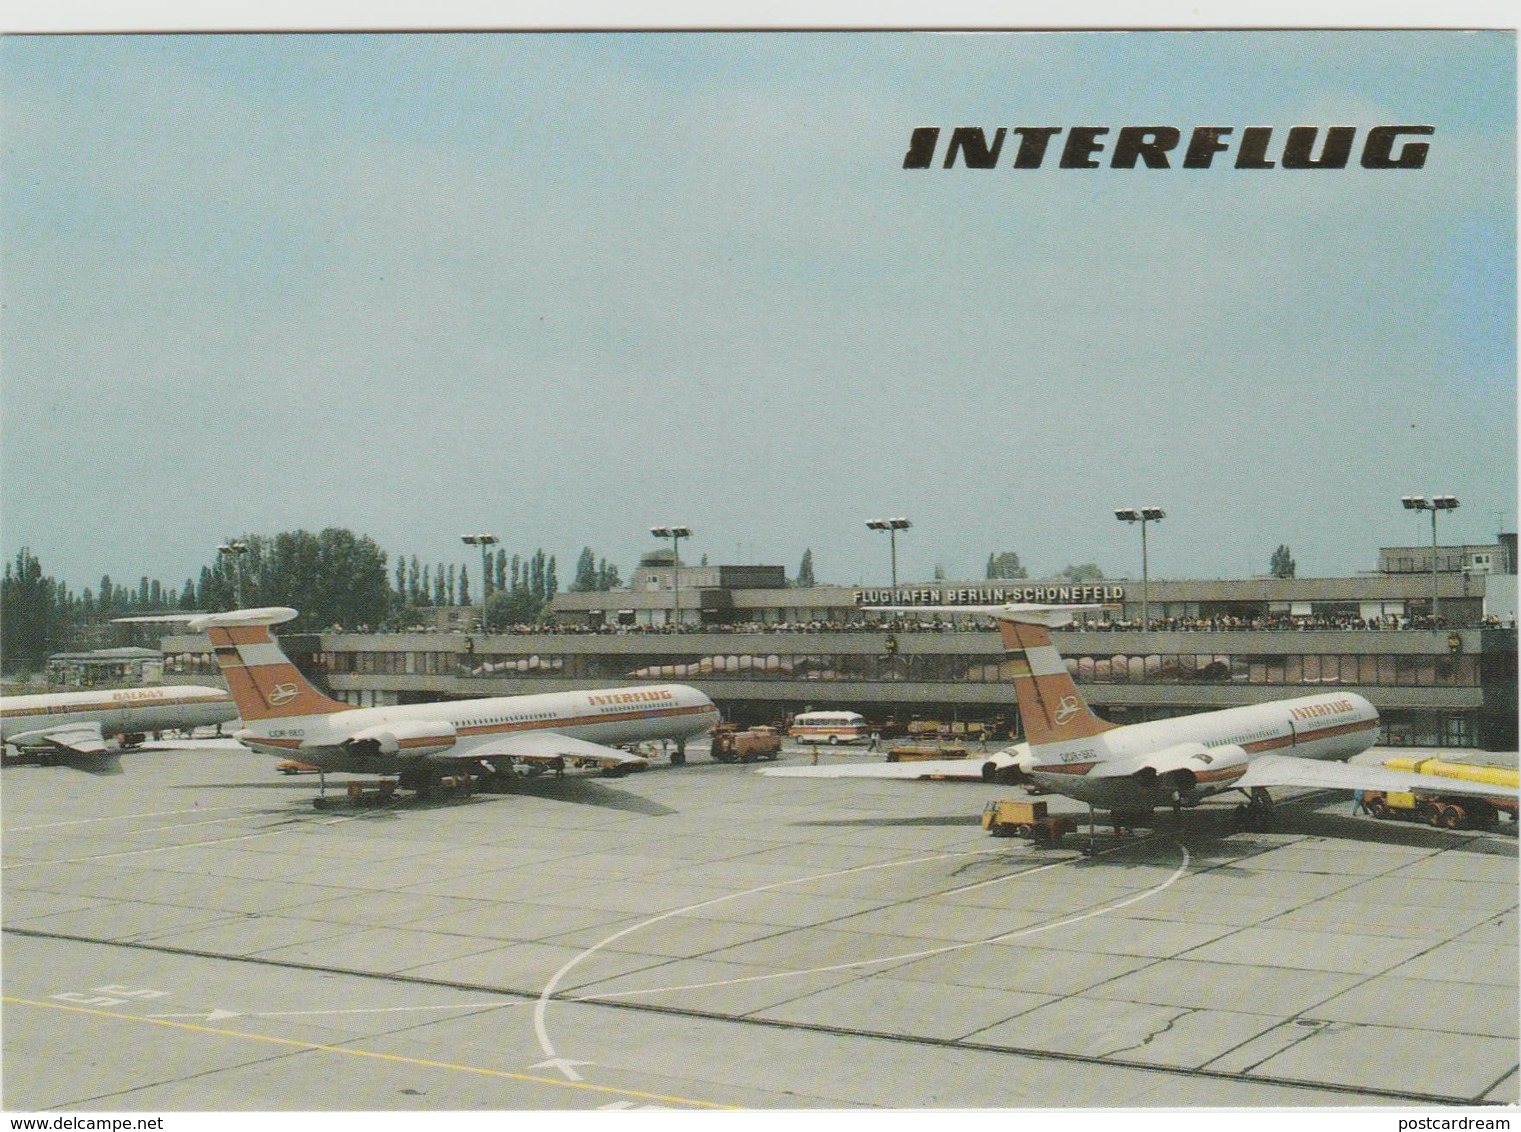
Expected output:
{"points": [[923, 753], [1018, 818]]}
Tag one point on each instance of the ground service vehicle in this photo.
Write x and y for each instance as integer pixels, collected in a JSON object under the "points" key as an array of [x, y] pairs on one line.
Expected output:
{"points": [[1441, 810], [1466, 772], [733, 745], [1011, 818], [914, 754], [832, 727]]}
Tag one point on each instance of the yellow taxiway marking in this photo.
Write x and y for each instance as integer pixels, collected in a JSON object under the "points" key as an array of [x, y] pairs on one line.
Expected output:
{"points": [[371, 1054]]}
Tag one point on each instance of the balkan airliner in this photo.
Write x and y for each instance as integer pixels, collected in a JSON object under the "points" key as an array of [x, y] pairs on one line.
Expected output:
{"points": [[283, 714], [62, 725]]}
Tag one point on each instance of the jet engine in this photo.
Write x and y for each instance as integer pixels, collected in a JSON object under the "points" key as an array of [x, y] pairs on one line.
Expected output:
{"points": [[1184, 768], [407, 737]]}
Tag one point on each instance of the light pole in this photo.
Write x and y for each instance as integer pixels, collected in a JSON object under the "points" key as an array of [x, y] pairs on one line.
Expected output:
{"points": [[485, 542], [675, 534], [1434, 504], [892, 527], [1142, 515], [235, 550]]}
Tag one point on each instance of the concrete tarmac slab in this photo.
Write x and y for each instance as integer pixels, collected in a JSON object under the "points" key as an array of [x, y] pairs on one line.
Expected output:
{"points": [[940, 919], [387, 909], [1311, 951], [522, 920], [1362, 918], [678, 937], [786, 907], [1459, 962], [1128, 1031], [119, 920], [1462, 1065], [525, 968], [633, 897], [1322, 855], [1047, 971], [1235, 988], [1467, 1008], [1228, 882], [1123, 959], [249, 935], [1499, 930], [1463, 864], [379, 950], [502, 885], [22, 907], [888, 1005], [706, 986], [1412, 893], [1156, 939], [1189, 905], [805, 947]]}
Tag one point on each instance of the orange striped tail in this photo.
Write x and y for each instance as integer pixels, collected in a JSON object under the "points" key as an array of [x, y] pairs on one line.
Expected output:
{"points": [[263, 682], [1051, 707]]}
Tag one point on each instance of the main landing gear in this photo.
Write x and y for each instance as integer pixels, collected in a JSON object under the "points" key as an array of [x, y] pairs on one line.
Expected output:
{"points": [[1257, 814], [382, 792]]}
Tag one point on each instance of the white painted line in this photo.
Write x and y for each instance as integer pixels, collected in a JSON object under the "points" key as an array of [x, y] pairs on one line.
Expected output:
{"points": [[542, 1005], [1017, 934], [128, 817], [391, 1009], [171, 848], [219, 1013]]}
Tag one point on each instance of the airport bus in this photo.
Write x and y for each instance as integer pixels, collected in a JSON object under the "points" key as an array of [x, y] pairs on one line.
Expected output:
{"points": [[832, 727]]}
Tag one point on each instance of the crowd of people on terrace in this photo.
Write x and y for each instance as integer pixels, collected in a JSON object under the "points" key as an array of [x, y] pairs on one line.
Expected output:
{"points": [[1273, 622]]}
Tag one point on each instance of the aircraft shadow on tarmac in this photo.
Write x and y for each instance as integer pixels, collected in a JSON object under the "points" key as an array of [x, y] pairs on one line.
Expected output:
{"points": [[1212, 830], [103, 764], [584, 790], [889, 822], [578, 790]]}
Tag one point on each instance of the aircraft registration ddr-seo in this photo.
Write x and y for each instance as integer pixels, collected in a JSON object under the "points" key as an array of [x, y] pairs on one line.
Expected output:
{"points": [[59, 726], [284, 715], [1132, 769]]}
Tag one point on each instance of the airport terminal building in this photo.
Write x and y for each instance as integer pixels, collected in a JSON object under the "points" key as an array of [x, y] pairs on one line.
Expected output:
{"points": [[764, 650]]}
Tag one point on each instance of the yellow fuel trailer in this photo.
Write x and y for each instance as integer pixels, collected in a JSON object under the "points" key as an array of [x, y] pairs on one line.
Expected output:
{"points": [[1469, 772], [1448, 811]]}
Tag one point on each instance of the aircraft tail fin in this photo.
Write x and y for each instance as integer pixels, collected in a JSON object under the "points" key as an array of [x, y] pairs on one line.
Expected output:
{"points": [[1051, 707], [263, 682]]}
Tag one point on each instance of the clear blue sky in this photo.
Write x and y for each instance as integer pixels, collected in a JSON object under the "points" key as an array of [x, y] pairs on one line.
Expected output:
{"points": [[565, 287]]}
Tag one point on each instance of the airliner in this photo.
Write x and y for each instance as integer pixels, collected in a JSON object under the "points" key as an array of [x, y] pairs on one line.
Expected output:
{"points": [[63, 725], [284, 715], [1132, 769]]}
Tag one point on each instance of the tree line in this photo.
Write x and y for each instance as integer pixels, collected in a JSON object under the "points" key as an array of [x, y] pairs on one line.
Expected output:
{"points": [[334, 577]]}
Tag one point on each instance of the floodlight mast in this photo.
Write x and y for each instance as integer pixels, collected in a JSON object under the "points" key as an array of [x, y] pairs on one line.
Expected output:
{"points": [[235, 549], [1434, 504], [1142, 515], [892, 527], [485, 542], [675, 534]]}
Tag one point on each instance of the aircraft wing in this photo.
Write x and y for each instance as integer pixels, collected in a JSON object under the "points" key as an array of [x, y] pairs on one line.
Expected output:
{"points": [[1281, 770], [68, 739], [550, 746], [968, 769]]}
